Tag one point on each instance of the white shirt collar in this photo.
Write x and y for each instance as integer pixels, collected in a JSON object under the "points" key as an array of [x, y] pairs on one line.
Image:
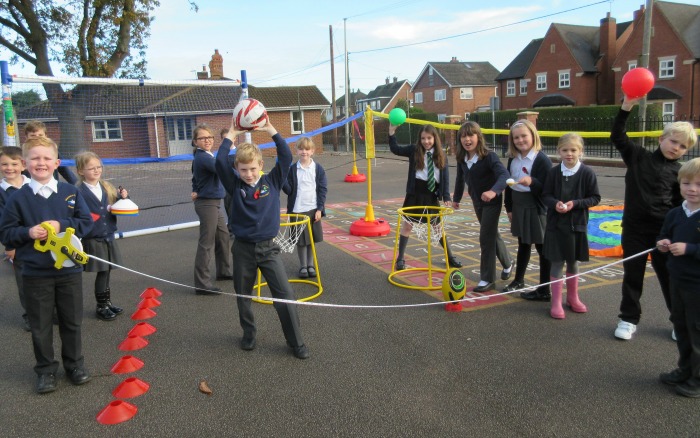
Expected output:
{"points": [[6, 185], [208, 152], [300, 166], [687, 211], [471, 161], [36, 186], [569, 172]]}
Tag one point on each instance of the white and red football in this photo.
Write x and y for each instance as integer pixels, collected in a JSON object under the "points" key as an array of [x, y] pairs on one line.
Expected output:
{"points": [[249, 114]]}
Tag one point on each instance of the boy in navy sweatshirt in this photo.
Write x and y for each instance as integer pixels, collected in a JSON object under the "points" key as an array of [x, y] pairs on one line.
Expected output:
{"points": [[680, 236], [60, 204], [255, 221]]}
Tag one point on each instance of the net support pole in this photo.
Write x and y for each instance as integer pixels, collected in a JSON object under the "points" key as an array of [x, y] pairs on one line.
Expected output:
{"points": [[244, 95], [9, 138]]}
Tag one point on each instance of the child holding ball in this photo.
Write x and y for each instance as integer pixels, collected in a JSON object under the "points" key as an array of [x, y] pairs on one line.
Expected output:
{"points": [[569, 191]]}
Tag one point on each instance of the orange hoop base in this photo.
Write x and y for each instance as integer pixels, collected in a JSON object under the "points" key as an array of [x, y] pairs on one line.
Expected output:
{"points": [[375, 228]]}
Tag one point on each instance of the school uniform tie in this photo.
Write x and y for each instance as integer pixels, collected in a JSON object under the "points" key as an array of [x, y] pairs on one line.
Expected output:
{"points": [[431, 173]]}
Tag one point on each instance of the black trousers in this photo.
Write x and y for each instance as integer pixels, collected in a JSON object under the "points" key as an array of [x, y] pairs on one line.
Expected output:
{"points": [[685, 296], [633, 279], [247, 259], [65, 293]]}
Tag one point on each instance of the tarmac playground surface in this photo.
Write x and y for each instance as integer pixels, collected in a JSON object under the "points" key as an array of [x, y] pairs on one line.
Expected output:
{"points": [[499, 368]]}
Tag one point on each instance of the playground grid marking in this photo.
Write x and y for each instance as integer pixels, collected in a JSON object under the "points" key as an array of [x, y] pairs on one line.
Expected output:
{"points": [[463, 234]]}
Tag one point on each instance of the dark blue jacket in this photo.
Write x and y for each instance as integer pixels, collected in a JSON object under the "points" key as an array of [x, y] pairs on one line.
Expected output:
{"points": [[442, 188], [255, 211], [105, 225], [25, 210], [678, 227], [486, 174], [292, 185], [586, 195], [205, 181]]}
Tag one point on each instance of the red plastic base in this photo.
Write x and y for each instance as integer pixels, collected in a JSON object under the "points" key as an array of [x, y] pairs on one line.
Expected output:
{"points": [[361, 227], [355, 178], [453, 307]]}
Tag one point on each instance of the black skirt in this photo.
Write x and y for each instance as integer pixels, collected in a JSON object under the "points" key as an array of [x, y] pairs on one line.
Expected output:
{"points": [[316, 228], [527, 223], [103, 249], [421, 196]]}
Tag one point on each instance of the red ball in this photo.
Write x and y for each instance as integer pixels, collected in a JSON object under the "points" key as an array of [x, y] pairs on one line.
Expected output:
{"points": [[637, 82]]}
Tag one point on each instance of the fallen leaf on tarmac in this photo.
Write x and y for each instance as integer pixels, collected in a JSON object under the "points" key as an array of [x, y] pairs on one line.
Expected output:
{"points": [[204, 388]]}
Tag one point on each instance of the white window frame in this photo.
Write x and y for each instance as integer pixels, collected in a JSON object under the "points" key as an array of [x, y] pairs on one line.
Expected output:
{"points": [[466, 93], [541, 81], [631, 65], [441, 118], [667, 67], [564, 78], [296, 121], [510, 88], [110, 133], [523, 86], [418, 97], [440, 95], [668, 111]]}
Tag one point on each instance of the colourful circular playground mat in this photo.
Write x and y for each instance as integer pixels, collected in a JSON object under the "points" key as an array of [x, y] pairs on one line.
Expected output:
{"points": [[605, 230]]}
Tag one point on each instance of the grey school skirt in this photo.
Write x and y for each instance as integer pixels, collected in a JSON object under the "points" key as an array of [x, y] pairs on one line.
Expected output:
{"points": [[527, 224]]}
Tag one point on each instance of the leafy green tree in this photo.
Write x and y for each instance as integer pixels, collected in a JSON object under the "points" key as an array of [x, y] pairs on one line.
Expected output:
{"points": [[21, 99]]}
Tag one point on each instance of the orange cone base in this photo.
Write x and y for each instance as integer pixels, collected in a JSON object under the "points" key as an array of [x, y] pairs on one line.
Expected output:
{"points": [[151, 292], [355, 177], [131, 387], [133, 342], [378, 227], [142, 329], [143, 314], [453, 307], [127, 364], [116, 412], [148, 302]]}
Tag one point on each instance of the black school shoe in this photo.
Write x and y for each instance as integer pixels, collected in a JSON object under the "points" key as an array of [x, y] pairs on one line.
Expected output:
{"points": [[536, 295], [78, 376], [675, 377], [689, 388], [46, 383]]}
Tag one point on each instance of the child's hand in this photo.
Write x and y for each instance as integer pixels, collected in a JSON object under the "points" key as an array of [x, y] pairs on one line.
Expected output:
{"points": [[561, 207], [37, 232], [525, 181], [233, 132], [193, 195], [317, 216], [392, 129], [268, 128], [10, 255], [510, 216], [628, 103], [677, 249], [662, 245], [448, 204], [123, 193], [488, 195], [455, 205]]}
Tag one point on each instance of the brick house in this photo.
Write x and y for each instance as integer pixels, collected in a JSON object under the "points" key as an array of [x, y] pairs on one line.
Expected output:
{"points": [[674, 58], [455, 88], [157, 121], [353, 101], [584, 65], [384, 98]]}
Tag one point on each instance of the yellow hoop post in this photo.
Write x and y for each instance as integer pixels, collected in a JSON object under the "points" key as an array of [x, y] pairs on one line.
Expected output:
{"points": [[355, 176], [289, 220], [429, 213]]}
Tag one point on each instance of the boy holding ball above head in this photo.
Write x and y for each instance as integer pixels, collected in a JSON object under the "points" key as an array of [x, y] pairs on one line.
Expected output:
{"points": [[680, 238], [651, 190], [255, 221], [45, 200]]}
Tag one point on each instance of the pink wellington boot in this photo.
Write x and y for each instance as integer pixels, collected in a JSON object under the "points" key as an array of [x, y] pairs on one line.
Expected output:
{"points": [[557, 311], [572, 296]]}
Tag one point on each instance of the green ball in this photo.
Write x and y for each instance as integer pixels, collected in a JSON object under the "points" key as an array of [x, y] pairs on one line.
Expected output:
{"points": [[397, 116]]}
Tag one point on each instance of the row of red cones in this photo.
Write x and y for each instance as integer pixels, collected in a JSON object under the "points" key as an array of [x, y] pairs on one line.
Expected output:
{"points": [[119, 411]]}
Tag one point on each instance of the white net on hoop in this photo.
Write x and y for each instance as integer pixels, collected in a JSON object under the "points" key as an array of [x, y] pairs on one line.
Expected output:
{"points": [[292, 226], [426, 228]]}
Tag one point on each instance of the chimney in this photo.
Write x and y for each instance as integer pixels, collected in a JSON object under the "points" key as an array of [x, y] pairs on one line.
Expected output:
{"points": [[608, 54], [638, 13], [454, 59], [395, 79], [387, 80], [203, 75], [216, 65]]}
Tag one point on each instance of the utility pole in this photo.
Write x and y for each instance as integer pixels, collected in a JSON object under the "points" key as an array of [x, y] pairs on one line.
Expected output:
{"points": [[644, 59], [347, 87], [333, 105]]}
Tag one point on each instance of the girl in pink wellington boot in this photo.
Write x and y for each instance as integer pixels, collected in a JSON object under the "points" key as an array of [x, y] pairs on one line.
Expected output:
{"points": [[569, 191]]}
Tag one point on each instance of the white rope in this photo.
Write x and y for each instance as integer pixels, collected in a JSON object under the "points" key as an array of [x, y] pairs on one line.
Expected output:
{"points": [[367, 306]]}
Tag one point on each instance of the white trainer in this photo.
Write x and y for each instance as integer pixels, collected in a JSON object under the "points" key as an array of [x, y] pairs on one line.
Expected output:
{"points": [[625, 330], [673, 335]]}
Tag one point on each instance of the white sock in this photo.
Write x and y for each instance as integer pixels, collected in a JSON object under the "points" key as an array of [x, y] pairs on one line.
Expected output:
{"points": [[508, 269], [482, 283]]}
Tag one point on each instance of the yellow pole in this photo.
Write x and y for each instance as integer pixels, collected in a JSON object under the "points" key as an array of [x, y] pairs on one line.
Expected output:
{"points": [[369, 145]]}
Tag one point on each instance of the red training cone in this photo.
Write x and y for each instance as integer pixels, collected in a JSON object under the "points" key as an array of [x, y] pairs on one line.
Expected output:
{"points": [[151, 292], [142, 329], [131, 387], [116, 412], [147, 303], [143, 314], [127, 364], [453, 307], [133, 342]]}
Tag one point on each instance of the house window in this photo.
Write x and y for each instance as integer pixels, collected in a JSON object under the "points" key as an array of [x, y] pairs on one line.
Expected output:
{"points": [[631, 65], [179, 129], [668, 111], [667, 67], [418, 97], [106, 130], [510, 88], [297, 118], [541, 81], [466, 93], [441, 118], [552, 48], [523, 86], [440, 95], [431, 81], [564, 78]]}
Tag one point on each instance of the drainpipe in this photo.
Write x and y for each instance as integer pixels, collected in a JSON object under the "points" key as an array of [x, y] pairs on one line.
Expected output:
{"points": [[155, 127]]}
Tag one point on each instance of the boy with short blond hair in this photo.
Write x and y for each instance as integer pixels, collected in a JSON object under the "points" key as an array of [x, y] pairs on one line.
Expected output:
{"points": [[680, 236], [255, 221], [651, 190], [61, 205]]}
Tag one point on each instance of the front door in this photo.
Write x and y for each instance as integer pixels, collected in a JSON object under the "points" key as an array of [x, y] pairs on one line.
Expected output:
{"points": [[179, 135]]}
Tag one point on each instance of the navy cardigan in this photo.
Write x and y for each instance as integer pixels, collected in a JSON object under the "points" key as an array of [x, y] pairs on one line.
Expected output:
{"points": [[442, 188]]}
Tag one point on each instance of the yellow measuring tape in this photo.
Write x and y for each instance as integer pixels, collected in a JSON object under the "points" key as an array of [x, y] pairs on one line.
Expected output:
{"points": [[62, 246]]}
